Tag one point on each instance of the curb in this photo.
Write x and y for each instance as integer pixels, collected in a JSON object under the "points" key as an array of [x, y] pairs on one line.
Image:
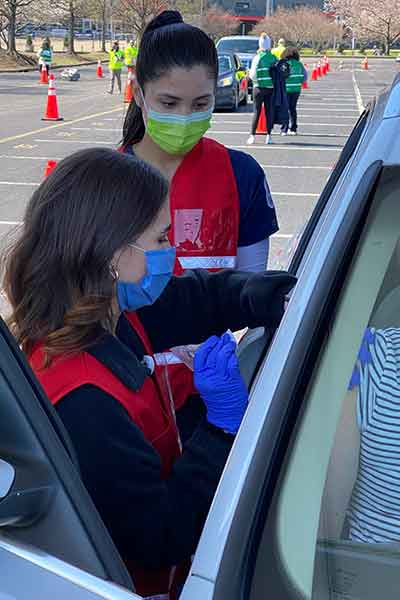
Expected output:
{"points": [[56, 67]]}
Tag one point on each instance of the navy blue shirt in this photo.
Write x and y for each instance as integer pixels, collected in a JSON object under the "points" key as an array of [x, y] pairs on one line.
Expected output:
{"points": [[257, 211]]}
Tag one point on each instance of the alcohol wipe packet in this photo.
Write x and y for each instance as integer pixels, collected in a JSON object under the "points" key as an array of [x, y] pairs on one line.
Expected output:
{"points": [[186, 353]]}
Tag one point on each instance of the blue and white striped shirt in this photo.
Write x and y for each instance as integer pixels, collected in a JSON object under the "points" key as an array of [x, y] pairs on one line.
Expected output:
{"points": [[374, 510]]}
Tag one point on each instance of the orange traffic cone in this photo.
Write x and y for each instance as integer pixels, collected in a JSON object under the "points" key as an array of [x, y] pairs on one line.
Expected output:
{"points": [[319, 69], [52, 108], [304, 85], [262, 122], [51, 164], [314, 74], [328, 66], [365, 65], [99, 71], [129, 87], [44, 78]]}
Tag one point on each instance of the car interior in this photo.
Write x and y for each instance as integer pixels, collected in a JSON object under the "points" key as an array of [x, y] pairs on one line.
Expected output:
{"points": [[304, 551]]}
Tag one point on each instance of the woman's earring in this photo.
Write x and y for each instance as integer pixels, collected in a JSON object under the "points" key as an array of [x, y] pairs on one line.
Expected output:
{"points": [[114, 273]]}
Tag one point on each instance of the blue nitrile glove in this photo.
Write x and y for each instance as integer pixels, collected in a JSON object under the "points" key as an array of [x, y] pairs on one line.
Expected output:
{"points": [[218, 380]]}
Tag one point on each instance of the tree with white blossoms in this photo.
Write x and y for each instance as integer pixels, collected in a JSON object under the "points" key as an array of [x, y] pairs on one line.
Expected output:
{"points": [[374, 20]]}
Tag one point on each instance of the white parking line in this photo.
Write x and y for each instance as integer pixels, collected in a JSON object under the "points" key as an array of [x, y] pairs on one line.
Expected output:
{"points": [[284, 236], [118, 129], [302, 167], [46, 158], [245, 117], [14, 157], [325, 106], [328, 110], [24, 183], [358, 94], [10, 223], [303, 133], [58, 125], [32, 184], [58, 141], [248, 121], [266, 147], [296, 194]]}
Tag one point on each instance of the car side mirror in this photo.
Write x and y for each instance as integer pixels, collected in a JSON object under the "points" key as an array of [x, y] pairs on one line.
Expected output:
{"points": [[21, 507], [7, 476]]}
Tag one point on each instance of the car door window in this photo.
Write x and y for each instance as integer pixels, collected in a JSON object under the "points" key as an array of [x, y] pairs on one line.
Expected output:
{"points": [[297, 247], [331, 530]]}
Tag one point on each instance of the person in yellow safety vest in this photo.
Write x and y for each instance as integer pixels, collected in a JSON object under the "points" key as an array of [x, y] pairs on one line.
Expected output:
{"points": [[131, 53], [279, 49], [297, 76], [115, 65]]}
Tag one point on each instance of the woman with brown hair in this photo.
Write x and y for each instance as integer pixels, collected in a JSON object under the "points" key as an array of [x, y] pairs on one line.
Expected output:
{"points": [[92, 296]]}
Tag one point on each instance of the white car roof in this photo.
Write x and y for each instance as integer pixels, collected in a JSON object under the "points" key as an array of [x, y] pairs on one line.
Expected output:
{"points": [[238, 37]]}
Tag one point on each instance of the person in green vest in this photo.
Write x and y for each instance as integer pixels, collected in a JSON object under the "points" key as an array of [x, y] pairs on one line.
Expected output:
{"points": [[131, 53], [297, 76], [115, 65], [279, 49], [45, 56], [263, 86]]}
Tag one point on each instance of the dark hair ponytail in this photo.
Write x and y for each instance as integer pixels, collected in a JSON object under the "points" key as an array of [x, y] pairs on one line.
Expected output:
{"points": [[290, 53], [167, 42]]}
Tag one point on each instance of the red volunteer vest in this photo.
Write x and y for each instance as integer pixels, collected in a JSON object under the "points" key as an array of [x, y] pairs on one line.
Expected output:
{"points": [[149, 408], [205, 209]]}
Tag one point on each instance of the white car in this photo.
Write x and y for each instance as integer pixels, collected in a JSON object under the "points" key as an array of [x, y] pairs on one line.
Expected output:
{"points": [[275, 529]]}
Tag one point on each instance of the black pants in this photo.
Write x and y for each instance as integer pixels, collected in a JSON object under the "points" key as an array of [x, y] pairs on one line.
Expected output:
{"points": [[262, 96], [293, 99]]}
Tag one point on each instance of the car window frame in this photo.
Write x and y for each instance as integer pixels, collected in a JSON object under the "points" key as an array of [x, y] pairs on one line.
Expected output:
{"points": [[378, 241], [366, 188], [257, 460], [341, 164]]}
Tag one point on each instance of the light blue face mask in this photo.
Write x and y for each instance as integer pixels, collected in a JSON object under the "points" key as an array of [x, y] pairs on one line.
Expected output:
{"points": [[159, 269]]}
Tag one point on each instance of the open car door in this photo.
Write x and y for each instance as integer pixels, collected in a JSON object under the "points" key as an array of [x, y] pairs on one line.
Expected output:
{"points": [[53, 543]]}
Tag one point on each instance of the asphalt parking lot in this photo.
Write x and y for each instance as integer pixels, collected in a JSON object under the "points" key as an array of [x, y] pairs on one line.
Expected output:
{"points": [[296, 167]]}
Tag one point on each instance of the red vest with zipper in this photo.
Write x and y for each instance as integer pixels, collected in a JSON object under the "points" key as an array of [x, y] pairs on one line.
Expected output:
{"points": [[149, 408]]}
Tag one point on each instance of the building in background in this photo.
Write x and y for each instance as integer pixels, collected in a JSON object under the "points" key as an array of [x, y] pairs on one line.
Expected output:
{"points": [[250, 12]]}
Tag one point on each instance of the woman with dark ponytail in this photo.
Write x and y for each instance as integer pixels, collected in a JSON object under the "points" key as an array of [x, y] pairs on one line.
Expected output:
{"points": [[221, 207], [222, 212]]}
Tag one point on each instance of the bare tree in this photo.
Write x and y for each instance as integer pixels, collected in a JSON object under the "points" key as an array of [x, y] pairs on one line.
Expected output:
{"points": [[300, 26], [66, 10], [217, 22], [138, 13], [371, 19], [12, 14], [100, 10]]}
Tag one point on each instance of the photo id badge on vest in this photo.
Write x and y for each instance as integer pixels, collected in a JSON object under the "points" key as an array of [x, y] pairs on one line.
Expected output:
{"points": [[205, 233]]}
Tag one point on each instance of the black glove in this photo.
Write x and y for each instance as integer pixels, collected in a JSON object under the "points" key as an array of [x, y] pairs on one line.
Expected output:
{"points": [[262, 298]]}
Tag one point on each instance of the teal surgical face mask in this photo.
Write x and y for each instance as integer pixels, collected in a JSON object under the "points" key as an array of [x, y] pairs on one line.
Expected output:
{"points": [[177, 134]]}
